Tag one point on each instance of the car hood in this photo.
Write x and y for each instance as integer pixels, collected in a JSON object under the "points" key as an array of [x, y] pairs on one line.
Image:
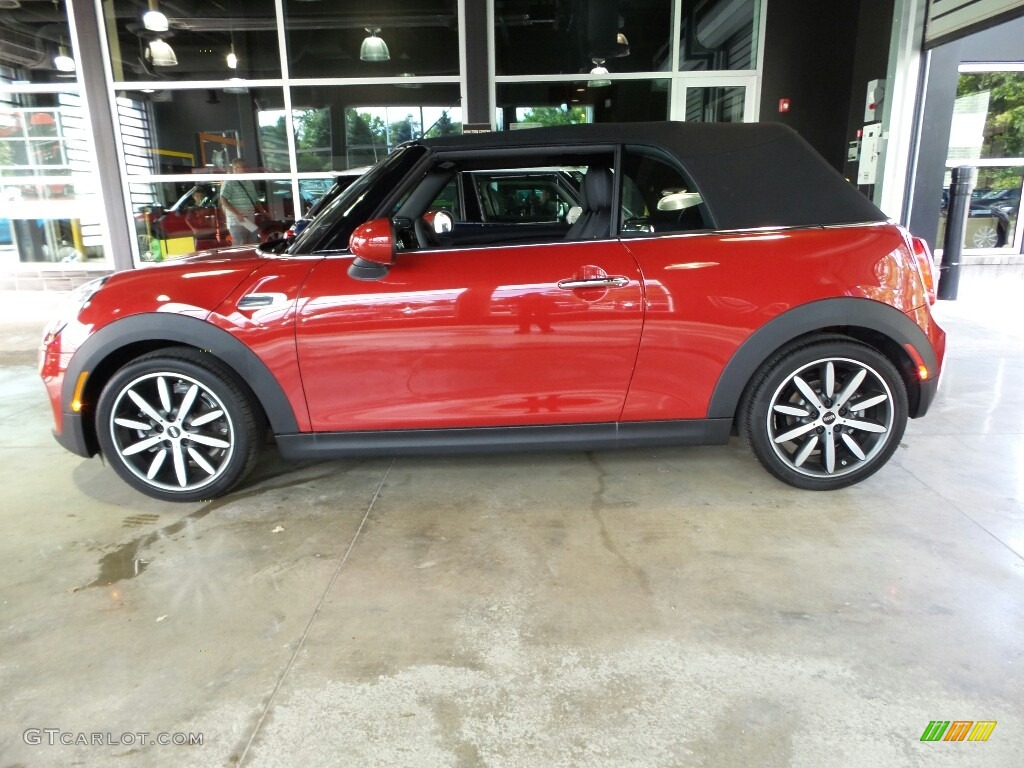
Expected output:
{"points": [[190, 285], [218, 255]]}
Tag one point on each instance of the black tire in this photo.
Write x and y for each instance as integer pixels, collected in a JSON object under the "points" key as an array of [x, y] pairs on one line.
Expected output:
{"points": [[177, 425], [804, 393]]}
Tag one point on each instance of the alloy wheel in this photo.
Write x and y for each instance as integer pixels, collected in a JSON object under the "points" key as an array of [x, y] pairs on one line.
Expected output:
{"points": [[830, 418], [172, 431], [985, 236]]}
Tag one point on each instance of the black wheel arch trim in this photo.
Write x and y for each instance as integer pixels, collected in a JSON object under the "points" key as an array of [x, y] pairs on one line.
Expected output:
{"points": [[821, 316], [176, 329]]}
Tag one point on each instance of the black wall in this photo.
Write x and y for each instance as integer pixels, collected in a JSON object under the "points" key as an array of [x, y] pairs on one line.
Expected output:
{"points": [[810, 50], [821, 56]]}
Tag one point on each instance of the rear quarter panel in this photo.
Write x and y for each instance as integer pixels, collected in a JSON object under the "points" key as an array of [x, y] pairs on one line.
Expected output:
{"points": [[707, 293]]}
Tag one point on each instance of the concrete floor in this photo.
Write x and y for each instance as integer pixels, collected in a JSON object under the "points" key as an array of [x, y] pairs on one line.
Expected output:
{"points": [[635, 608]]}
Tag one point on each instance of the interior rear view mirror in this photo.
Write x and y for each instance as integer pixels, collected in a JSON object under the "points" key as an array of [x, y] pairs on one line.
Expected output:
{"points": [[679, 200], [443, 222]]}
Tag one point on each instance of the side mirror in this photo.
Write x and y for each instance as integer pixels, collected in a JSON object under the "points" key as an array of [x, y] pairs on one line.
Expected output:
{"points": [[373, 245]]}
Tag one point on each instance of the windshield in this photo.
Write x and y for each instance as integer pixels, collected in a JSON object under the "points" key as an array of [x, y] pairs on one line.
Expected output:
{"points": [[332, 228]]}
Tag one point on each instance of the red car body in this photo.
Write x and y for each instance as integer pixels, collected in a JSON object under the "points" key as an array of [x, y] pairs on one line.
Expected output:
{"points": [[620, 340]]}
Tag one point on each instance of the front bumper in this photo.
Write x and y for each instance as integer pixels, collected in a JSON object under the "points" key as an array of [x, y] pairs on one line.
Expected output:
{"points": [[69, 426], [926, 395], [72, 435]]}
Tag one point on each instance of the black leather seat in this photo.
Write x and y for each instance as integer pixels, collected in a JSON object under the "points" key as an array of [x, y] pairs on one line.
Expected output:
{"points": [[596, 201]]}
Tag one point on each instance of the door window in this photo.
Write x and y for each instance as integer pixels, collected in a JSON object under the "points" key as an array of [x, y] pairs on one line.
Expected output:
{"points": [[502, 201], [657, 197]]}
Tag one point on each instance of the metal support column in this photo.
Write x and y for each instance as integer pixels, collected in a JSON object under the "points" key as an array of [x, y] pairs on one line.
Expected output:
{"points": [[92, 76]]}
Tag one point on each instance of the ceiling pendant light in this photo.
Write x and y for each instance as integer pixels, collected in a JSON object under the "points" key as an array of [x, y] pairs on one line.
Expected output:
{"points": [[153, 20], [374, 48], [160, 54], [621, 45], [599, 69], [62, 61], [232, 59]]}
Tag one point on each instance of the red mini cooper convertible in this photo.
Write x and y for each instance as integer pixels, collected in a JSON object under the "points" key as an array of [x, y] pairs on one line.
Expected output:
{"points": [[560, 288]]}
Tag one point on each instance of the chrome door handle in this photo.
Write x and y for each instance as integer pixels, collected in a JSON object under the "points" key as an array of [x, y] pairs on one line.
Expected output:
{"points": [[597, 282]]}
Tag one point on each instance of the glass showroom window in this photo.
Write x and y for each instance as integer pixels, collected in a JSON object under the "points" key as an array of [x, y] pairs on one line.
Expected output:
{"points": [[986, 134], [715, 104], [181, 145], [35, 44], [718, 35], [568, 37], [533, 104], [611, 44], [188, 131], [362, 38], [49, 208], [211, 41], [342, 127]]}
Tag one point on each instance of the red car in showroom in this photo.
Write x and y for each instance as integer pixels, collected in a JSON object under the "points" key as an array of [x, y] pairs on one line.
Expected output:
{"points": [[196, 220], [577, 287]]}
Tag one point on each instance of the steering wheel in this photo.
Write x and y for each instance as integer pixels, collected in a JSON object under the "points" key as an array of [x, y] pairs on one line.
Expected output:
{"points": [[426, 237]]}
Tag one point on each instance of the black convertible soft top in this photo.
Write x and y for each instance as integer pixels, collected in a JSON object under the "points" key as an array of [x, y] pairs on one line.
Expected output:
{"points": [[749, 174]]}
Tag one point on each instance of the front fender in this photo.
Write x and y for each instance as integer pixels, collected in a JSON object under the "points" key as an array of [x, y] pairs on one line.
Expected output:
{"points": [[840, 314], [103, 345]]}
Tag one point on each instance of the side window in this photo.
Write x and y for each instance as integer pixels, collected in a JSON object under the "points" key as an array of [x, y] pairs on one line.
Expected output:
{"points": [[657, 197], [524, 196], [521, 198], [448, 199]]}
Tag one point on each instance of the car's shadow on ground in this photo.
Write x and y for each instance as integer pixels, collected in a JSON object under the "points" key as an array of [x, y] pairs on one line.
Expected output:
{"points": [[95, 479]]}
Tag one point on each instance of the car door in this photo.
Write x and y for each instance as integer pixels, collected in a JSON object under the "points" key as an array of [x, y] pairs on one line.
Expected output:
{"points": [[542, 333]]}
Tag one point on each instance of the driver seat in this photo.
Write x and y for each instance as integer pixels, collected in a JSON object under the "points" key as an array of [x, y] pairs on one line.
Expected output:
{"points": [[596, 201]]}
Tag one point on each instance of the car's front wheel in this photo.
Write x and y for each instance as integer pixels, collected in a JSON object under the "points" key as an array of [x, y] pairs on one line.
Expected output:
{"points": [[825, 414], [178, 426]]}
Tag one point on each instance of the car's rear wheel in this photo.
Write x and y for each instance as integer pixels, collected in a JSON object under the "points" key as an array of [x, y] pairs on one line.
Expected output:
{"points": [[825, 414], [178, 426], [986, 236]]}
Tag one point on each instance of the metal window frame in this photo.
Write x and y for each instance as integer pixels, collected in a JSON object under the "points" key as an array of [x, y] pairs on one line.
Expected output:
{"points": [[96, 84]]}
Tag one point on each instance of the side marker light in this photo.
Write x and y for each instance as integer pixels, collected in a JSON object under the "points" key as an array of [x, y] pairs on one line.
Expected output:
{"points": [[76, 402]]}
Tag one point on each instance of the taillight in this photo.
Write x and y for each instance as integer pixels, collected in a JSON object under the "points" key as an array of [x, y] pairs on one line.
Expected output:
{"points": [[923, 254]]}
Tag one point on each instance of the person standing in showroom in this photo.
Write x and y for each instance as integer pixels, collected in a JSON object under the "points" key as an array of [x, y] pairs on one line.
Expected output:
{"points": [[239, 200]]}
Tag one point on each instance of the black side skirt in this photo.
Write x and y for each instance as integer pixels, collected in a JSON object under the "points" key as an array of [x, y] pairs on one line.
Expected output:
{"points": [[559, 437]]}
